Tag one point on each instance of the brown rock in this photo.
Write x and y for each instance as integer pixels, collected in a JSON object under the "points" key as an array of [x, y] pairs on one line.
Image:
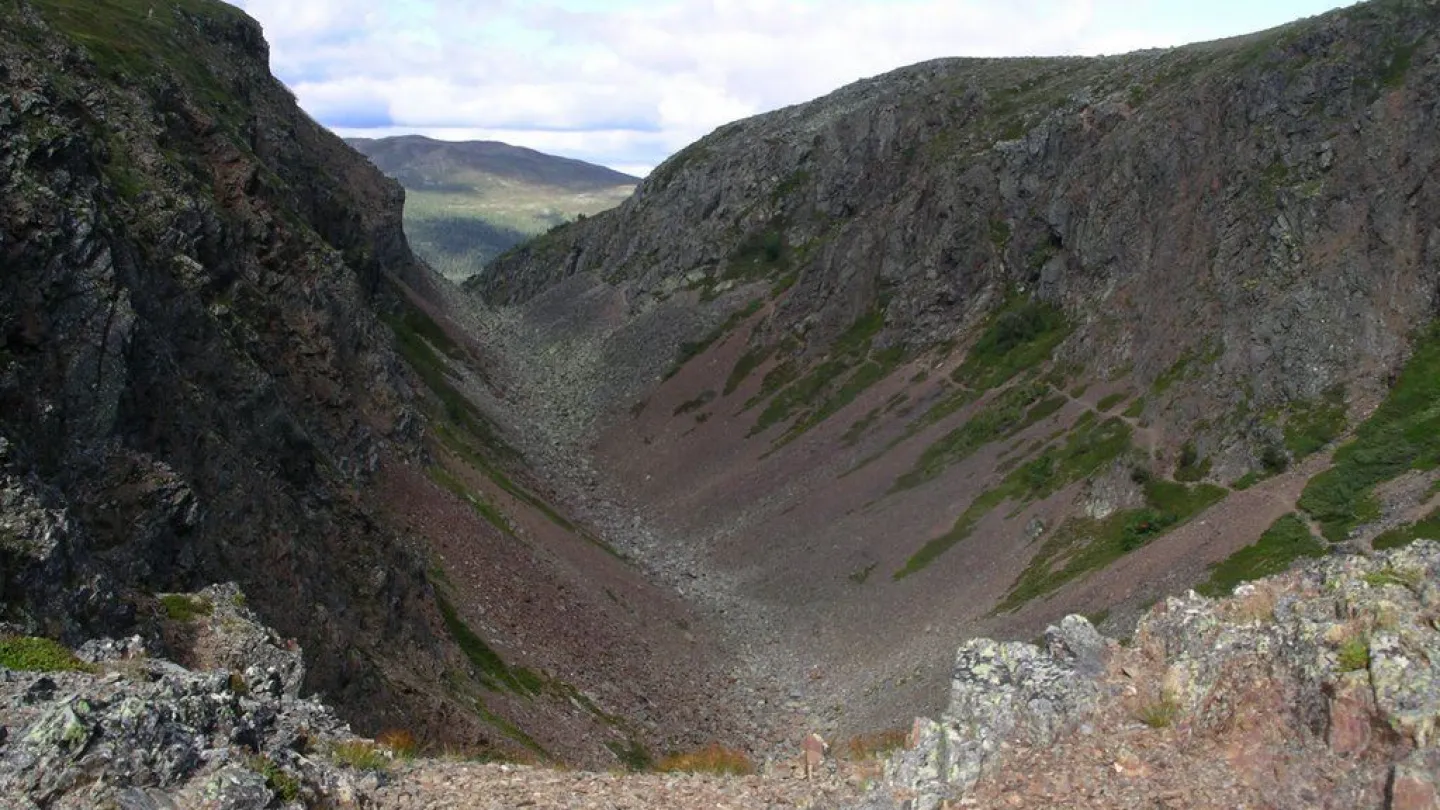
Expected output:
{"points": [[1413, 783], [1352, 709]]}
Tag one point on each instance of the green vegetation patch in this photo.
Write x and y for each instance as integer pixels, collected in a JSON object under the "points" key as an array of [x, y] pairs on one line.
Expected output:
{"points": [[1007, 413], [510, 730], [860, 427], [420, 341], [183, 607], [1312, 425], [762, 254], [1407, 578], [467, 452], [1190, 466], [633, 755], [1403, 434], [361, 755], [482, 507], [748, 362], [809, 399], [285, 785], [1354, 654], [1173, 374], [130, 40], [459, 426], [705, 398], [1287, 540], [35, 654], [1427, 527], [691, 349], [492, 671], [1401, 56], [1104, 405], [1081, 544], [1245, 481], [1090, 446], [1021, 336]]}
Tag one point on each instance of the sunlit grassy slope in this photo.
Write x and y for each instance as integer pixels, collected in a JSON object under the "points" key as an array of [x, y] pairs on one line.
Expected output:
{"points": [[468, 202]]}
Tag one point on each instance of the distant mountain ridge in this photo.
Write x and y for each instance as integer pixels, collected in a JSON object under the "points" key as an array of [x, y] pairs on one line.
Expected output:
{"points": [[469, 201], [420, 162]]}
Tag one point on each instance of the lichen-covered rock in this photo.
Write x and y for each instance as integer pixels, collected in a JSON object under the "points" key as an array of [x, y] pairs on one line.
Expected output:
{"points": [[1336, 661], [143, 732], [1001, 692]]}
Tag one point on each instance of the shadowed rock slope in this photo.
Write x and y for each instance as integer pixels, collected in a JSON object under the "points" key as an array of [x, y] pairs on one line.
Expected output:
{"points": [[219, 363], [979, 343]]}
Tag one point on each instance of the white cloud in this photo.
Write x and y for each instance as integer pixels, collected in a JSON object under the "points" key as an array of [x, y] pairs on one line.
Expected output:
{"points": [[638, 80]]}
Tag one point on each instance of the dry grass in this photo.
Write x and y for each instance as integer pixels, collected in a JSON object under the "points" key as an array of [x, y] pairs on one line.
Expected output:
{"points": [[874, 745], [399, 741], [1255, 605], [714, 758], [361, 755]]}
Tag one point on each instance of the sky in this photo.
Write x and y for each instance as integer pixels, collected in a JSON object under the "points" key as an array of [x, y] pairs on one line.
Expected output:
{"points": [[625, 83]]}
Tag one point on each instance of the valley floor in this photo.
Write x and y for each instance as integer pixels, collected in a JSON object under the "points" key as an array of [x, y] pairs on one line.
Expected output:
{"points": [[436, 784]]}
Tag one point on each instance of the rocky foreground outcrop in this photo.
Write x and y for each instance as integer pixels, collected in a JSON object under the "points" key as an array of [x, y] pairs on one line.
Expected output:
{"points": [[114, 727], [1316, 688]]}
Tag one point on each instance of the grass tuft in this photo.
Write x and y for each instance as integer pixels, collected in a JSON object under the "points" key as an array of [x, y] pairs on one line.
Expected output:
{"points": [[1393, 576], [875, 745], [632, 755], [183, 607], [1161, 713], [361, 755], [286, 786], [713, 758], [1354, 654], [1111, 401], [35, 654], [399, 742]]}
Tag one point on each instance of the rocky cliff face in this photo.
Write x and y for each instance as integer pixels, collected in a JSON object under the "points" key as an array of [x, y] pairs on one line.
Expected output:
{"points": [[1264, 196], [195, 382], [979, 343], [201, 300]]}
